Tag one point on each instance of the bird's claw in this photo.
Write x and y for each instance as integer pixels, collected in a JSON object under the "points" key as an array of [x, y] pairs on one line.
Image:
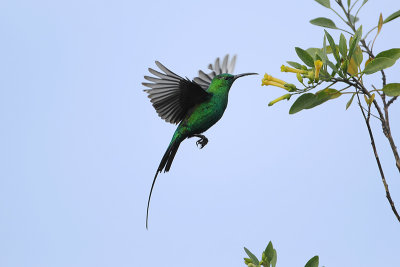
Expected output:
{"points": [[202, 142]]}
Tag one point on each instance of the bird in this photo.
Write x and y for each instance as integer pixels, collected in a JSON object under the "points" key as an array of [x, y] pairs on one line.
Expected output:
{"points": [[195, 104]]}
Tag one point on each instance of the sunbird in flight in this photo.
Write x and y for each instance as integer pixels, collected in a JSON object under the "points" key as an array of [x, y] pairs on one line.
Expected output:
{"points": [[196, 105]]}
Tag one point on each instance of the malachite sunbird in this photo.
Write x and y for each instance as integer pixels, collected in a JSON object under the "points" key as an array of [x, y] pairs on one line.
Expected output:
{"points": [[196, 105]]}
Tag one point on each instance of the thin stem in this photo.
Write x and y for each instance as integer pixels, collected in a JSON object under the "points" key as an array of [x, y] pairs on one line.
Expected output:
{"points": [[347, 13], [353, 6], [388, 133], [391, 101], [347, 92], [339, 15], [365, 91], [376, 90], [383, 118], [380, 93], [369, 111], [371, 136], [383, 78], [347, 87], [343, 30], [365, 37], [357, 13]]}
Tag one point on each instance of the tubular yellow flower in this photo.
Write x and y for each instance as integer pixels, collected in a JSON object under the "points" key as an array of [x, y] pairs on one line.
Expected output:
{"points": [[318, 66], [265, 82], [273, 79], [289, 69], [287, 96]]}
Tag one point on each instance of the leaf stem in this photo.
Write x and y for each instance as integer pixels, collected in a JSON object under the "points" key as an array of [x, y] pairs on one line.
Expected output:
{"points": [[338, 15], [353, 6], [343, 30], [365, 37]]}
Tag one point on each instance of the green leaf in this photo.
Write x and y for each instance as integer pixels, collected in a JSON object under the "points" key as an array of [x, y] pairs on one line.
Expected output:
{"points": [[269, 251], [313, 52], [392, 89], [265, 262], [321, 56], [358, 55], [274, 259], [354, 42], [313, 262], [378, 64], [353, 19], [252, 257], [345, 66], [333, 46], [392, 17], [350, 101], [332, 66], [355, 61], [294, 65], [325, 3], [305, 57], [325, 95], [309, 100], [325, 58], [247, 261], [391, 53], [329, 49], [323, 22], [302, 102], [343, 45]]}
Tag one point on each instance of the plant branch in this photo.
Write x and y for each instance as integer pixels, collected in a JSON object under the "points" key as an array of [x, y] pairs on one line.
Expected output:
{"points": [[391, 101], [388, 196]]}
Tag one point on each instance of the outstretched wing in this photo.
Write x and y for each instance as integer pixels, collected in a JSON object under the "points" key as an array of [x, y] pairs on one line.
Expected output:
{"points": [[204, 79], [172, 96]]}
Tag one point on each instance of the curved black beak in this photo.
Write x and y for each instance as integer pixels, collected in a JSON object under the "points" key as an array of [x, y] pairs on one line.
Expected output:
{"points": [[243, 74]]}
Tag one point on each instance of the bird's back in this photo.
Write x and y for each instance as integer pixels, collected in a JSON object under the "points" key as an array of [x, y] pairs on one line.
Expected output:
{"points": [[206, 114]]}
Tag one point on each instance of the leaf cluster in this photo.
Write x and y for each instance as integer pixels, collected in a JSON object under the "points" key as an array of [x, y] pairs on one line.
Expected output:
{"points": [[341, 62], [269, 258]]}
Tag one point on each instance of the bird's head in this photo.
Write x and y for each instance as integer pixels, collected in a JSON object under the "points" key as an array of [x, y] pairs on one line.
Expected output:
{"points": [[226, 79]]}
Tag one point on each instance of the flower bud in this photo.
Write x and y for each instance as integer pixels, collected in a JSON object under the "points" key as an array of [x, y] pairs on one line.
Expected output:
{"points": [[299, 77]]}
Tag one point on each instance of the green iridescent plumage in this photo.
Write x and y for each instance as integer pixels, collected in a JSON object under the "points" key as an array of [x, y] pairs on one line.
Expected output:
{"points": [[196, 105]]}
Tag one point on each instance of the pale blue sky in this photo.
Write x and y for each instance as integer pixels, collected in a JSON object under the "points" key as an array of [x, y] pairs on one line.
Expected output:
{"points": [[80, 141]]}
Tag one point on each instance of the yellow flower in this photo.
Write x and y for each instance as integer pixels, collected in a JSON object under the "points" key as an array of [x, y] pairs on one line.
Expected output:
{"points": [[318, 65], [273, 79], [289, 69], [287, 96], [269, 80], [274, 84]]}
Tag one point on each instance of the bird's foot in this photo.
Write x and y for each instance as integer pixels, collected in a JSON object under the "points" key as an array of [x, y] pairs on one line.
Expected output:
{"points": [[202, 142]]}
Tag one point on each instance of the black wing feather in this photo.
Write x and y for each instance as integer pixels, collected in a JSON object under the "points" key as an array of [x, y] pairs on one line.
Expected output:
{"points": [[172, 96]]}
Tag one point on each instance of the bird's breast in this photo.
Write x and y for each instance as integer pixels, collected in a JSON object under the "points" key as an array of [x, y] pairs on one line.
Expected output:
{"points": [[207, 113]]}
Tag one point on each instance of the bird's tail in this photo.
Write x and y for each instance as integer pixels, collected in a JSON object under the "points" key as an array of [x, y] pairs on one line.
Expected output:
{"points": [[165, 165]]}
